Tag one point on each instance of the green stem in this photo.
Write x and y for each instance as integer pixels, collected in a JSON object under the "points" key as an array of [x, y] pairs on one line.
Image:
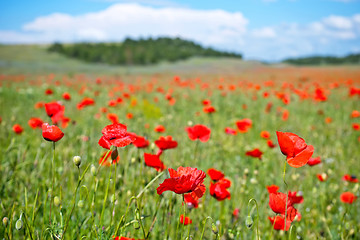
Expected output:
{"points": [[183, 223], [105, 198], [122, 219], [113, 204], [257, 216], [205, 220], [149, 184], [27, 226], [287, 197], [52, 181]]}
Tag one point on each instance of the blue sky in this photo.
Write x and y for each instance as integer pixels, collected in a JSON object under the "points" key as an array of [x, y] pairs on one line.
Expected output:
{"points": [[260, 29]]}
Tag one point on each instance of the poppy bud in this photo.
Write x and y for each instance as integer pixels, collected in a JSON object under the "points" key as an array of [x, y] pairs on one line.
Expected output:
{"points": [[19, 224], [80, 203], [114, 154], [136, 225], [5, 221], [249, 222], [56, 201], [93, 170], [214, 228], [77, 160]]}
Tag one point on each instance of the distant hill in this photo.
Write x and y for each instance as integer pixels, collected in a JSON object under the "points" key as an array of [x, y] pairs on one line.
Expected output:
{"points": [[138, 52], [322, 60]]}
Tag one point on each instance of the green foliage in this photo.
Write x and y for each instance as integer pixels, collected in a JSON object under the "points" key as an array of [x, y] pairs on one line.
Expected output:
{"points": [[138, 52], [322, 60]]}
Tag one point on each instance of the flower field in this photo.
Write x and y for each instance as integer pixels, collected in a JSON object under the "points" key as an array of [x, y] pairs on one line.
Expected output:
{"points": [[271, 153]]}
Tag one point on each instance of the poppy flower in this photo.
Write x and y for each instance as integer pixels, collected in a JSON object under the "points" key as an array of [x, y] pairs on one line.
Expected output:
{"points": [[209, 109], [272, 188], [183, 180], [124, 238], [140, 142], [206, 102], [356, 126], [355, 114], [85, 102], [350, 178], [200, 132], [66, 96], [115, 135], [54, 110], [17, 128], [112, 117], [277, 203], [166, 143], [265, 134], [192, 198], [39, 105], [314, 161], [293, 198], [112, 103], [295, 149], [219, 189], [214, 174], [153, 160], [129, 115], [185, 221], [322, 177], [236, 212], [230, 131], [270, 143], [35, 123], [105, 161], [159, 129], [348, 197], [51, 133], [49, 91], [279, 223], [244, 125], [285, 115], [255, 153]]}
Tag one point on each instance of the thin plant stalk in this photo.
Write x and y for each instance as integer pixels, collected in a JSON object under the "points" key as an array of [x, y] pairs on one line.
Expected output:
{"points": [[52, 182]]}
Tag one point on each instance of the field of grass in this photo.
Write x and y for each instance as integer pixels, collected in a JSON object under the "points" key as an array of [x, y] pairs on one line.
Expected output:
{"points": [[100, 202]]}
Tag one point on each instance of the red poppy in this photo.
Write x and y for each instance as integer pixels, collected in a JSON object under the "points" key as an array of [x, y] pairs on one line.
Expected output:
{"points": [[17, 128], [272, 188], [112, 117], [270, 143], [214, 174], [255, 153], [285, 115], [219, 189], [356, 126], [115, 135], [66, 96], [153, 160], [35, 123], [51, 133], [230, 131], [244, 125], [314, 161], [54, 110], [105, 161], [294, 147], [159, 129], [206, 102], [85, 102], [49, 91], [236, 213], [183, 180], [293, 198], [348, 197], [192, 199], [279, 223], [209, 109], [265, 134], [277, 203], [39, 105], [350, 178], [322, 177], [187, 220], [355, 114], [129, 115], [112, 103], [166, 143], [140, 142], [125, 238], [200, 132]]}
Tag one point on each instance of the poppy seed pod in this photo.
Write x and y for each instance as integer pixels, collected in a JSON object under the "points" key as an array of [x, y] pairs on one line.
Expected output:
{"points": [[249, 222], [5, 221], [77, 160], [19, 224]]}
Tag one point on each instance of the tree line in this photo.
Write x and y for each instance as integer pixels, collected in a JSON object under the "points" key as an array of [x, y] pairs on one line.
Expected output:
{"points": [[322, 60], [138, 52]]}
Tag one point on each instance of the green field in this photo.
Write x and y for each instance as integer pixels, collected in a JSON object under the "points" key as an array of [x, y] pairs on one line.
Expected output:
{"points": [[106, 203]]}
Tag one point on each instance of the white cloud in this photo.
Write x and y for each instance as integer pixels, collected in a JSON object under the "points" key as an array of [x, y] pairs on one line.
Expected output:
{"points": [[338, 22], [266, 32]]}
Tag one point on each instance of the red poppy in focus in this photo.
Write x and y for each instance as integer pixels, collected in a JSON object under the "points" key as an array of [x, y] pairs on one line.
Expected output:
{"points": [[153, 160], [265, 134], [105, 161], [293, 198], [51, 133], [244, 125], [272, 188], [140, 142], [355, 114], [230, 131], [219, 189], [277, 203], [115, 135], [187, 220], [209, 109], [49, 91], [112, 117], [270, 143], [350, 178], [356, 126], [183, 180], [192, 198], [295, 149], [166, 143], [66, 96], [214, 174], [17, 128], [159, 129], [200, 132], [85, 102], [54, 110], [348, 197], [35, 123], [314, 161], [279, 223], [255, 153]]}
